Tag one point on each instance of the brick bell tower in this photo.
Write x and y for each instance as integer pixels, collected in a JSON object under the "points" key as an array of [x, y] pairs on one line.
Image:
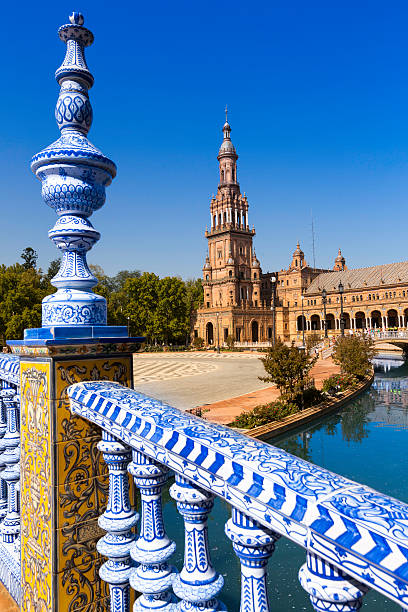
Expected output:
{"points": [[232, 273]]}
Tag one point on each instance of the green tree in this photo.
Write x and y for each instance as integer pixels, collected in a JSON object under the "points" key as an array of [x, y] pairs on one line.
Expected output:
{"points": [[354, 354], [53, 268], [29, 257], [171, 312], [21, 293], [287, 367]]}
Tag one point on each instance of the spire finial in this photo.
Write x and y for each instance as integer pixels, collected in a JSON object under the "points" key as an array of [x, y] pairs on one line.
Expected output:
{"points": [[226, 113], [74, 175]]}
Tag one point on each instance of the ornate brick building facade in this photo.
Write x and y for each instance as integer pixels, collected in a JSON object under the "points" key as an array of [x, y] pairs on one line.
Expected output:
{"points": [[238, 296]]}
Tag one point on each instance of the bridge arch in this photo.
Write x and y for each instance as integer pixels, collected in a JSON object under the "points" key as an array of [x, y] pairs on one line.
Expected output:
{"points": [[360, 320], [376, 319], [315, 322], [392, 318]]}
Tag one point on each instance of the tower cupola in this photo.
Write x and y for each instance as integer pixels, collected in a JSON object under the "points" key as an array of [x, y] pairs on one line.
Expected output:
{"points": [[298, 258], [339, 262]]}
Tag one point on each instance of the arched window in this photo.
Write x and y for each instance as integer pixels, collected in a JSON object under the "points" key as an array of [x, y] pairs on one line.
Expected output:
{"points": [[296, 262], [243, 220], [233, 174], [255, 275], [215, 220], [207, 277], [230, 273], [222, 176], [225, 217], [219, 219]]}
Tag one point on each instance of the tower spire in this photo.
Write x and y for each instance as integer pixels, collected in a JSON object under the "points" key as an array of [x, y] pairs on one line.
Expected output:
{"points": [[74, 174]]}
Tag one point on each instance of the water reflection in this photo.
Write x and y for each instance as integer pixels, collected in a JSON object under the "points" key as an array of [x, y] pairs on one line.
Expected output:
{"points": [[366, 441]]}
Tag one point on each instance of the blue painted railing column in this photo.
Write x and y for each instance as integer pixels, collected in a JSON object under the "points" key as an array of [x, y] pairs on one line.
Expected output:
{"points": [[253, 545], [154, 576], [330, 590], [10, 528], [198, 584], [3, 442], [118, 520]]}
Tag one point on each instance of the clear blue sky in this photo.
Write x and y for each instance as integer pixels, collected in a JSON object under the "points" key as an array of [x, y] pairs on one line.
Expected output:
{"points": [[318, 100]]}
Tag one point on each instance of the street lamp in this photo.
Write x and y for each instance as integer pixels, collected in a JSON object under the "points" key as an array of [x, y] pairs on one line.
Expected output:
{"points": [[273, 281], [128, 326], [341, 291], [217, 314], [302, 297], [324, 300]]}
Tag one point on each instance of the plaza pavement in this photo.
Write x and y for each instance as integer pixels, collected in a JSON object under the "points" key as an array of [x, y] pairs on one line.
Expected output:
{"points": [[222, 385]]}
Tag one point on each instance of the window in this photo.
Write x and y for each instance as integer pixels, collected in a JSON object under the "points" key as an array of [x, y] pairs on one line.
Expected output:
{"points": [[207, 277], [219, 254], [295, 304], [369, 296], [403, 293], [196, 333], [255, 275], [361, 298], [256, 303], [353, 299], [394, 294], [240, 250], [287, 282], [286, 326], [329, 300], [230, 273], [208, 304], [386, 295]]}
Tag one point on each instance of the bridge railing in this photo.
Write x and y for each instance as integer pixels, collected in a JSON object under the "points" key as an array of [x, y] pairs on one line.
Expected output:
{"points": [[355, 538], [10, 474], [388, 334]]}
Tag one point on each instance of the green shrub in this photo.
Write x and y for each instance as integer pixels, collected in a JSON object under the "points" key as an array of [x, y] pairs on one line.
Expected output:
{"points": [[312, 397], [198, 342], [338, 382], [354, 354], [267, 413]]}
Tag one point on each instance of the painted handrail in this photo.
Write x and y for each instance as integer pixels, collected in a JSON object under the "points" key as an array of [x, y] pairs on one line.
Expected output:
{"points": [[355, 537]]}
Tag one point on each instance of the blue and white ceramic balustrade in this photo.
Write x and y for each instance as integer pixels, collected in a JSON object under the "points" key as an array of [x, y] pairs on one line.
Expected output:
{"points": [[74, 175], [10, 474], [355, 538]]}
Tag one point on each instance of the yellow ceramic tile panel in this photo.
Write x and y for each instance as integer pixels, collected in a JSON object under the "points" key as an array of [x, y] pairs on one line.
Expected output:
{"points": [[36, 489], [81, 500], [103, 605], [76, 545], [80, 586], [68, 372], [79, 460]]}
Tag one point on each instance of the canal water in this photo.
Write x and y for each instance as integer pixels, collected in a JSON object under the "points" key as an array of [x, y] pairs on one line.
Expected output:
{"points": [[366, 441]]}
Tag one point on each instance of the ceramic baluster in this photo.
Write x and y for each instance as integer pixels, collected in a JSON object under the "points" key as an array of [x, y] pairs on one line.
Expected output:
{"points": [[10, 527], [3, 429], [198, 584], [154, 576], [118, 520], [253, 545], [330, 590]]}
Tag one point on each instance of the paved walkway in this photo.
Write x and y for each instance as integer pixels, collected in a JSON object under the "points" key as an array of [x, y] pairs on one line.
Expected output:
{"points": [[7, 603], [223, 384], [187, 380], [225, 411]]}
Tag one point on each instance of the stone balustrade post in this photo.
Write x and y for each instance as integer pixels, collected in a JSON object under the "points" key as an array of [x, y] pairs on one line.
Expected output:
{"points": [[198, 583], [253, 545], [154, 576], [118, 520], [330, 590]]}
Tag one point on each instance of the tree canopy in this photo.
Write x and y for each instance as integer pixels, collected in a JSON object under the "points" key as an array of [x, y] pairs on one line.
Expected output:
{"points": [[162, 309]]}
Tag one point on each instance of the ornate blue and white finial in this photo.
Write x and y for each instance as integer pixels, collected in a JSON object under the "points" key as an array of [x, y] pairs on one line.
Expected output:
{"points": [[74, 174]]}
